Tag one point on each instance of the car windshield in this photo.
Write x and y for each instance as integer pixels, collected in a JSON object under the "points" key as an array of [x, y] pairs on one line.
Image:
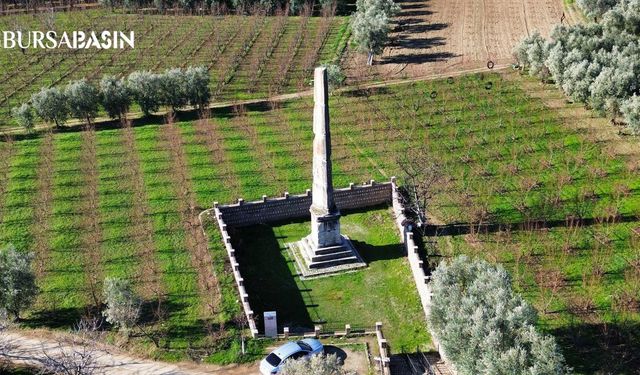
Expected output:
{"points": [[304, 346], [273, 360]]}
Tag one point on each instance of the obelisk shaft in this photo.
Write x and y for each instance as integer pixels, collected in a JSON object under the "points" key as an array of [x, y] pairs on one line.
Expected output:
{"points": [[323, 202], [325, 217]]}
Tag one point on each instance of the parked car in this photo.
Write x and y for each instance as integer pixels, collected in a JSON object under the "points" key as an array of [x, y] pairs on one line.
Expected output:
{"points": [[272, 364]]}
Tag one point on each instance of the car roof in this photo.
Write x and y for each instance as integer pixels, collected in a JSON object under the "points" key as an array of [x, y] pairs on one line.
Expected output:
{"points": [[313, 343], [287, 349]]}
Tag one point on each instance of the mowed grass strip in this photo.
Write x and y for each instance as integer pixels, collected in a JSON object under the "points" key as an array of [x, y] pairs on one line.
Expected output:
{"points": [[6, 149], [66, 288], [182, 300]]}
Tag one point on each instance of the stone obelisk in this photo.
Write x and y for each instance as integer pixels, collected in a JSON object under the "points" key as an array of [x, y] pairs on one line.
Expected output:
{"points": [[325, 217], [325, 250]]}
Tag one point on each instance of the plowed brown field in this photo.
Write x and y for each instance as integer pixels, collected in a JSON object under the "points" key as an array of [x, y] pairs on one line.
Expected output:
{"points": [[437, 36]]}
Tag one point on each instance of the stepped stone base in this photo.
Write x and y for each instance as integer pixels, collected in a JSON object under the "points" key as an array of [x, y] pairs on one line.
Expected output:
{"points": [[328, 260]]}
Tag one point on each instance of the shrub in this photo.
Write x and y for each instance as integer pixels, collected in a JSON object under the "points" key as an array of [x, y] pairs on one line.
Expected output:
{"points": [[123, 306], [51, 105], [83, 99], [483, 326], [316, 365], [24, 116], [17, 281], [115, 96]]}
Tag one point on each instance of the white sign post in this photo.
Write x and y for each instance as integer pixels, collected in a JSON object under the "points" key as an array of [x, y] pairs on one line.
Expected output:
{"points": [[270, 324]]}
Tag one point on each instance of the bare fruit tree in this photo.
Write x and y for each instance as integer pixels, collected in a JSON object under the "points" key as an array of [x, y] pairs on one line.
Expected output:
{"points": [[5, 343], [76, 354], [420, 174]]}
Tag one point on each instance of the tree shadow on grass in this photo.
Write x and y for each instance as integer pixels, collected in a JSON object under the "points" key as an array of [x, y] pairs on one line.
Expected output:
{"points": [[54, 318], [601, 348], [59, 318]]}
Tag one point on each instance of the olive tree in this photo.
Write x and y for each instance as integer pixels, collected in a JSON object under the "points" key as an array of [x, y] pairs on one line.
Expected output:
{"points": [[24, 116], [483, 326], [335, 75], [107, 3], [173, 84], [316, 365], [51, 105], [386, 7], [132, 4], [123, 305], [174, 88], [593, 63], [370, 25], [115, 96], [631, 112], [187, 4], [83, 99], [146, 90], [596, 8], [197, 86], [160, 5], [17, 281], [531, 53]]}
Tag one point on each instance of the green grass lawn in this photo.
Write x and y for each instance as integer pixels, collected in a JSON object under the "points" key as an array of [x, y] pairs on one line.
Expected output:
{"points": [[384, 291]]}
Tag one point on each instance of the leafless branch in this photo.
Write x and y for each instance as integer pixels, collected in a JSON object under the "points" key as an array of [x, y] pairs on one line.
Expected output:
{"points": [[420, 173]]}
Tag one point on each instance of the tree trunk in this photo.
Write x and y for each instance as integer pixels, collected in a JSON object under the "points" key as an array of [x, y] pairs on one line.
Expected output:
{"points": [[370, 59]]}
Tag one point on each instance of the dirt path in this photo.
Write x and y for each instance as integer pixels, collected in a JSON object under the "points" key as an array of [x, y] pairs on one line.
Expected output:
{"points": [[438, 36], [27, 347], [109, 360]]}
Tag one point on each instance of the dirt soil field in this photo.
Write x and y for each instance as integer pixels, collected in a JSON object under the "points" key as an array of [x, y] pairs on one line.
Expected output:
{"points": [[438, 36]]}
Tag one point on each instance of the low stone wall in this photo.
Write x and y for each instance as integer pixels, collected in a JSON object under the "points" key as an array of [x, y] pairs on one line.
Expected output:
{"points": [[416, 264], [235, 267], [384, 359], [291, 207], [288, 207]]}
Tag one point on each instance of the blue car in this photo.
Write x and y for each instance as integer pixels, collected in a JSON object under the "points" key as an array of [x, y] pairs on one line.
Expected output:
{"points": [[292, 350]]}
